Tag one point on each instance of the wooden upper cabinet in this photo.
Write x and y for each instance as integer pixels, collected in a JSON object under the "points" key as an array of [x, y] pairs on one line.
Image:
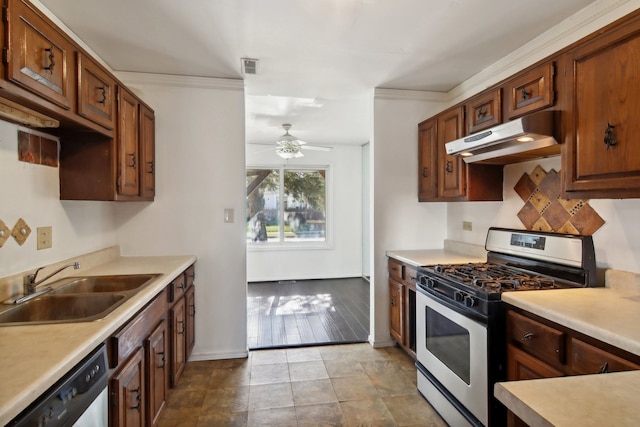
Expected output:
{"points": [[530, 91], [96, 92], [427, 161], [129, 151], [38, 57], [602, 158], [484, 111], [451, 169], [147, 153]]}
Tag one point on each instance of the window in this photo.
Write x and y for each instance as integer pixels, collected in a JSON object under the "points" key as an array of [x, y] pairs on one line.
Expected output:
{"points": [[286, 205]]}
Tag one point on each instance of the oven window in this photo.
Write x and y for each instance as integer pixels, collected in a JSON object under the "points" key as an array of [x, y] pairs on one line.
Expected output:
{"points": [[449, 342]]}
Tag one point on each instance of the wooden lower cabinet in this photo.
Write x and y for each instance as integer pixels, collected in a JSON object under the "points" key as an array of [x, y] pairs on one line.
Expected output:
{"points": [[128, 393], [402, 305], [148, 354], [538, 348], [178, 347], [157, 367]]}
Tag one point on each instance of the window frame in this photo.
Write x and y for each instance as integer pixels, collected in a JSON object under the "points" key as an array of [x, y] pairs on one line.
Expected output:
{"points": [[281, 244]]}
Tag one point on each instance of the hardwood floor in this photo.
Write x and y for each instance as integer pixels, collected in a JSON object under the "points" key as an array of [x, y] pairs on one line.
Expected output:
{"points": [[307, 312]]}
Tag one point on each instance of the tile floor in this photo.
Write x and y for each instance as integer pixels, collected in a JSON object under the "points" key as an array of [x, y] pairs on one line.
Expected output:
{"points": [[337, 385]]}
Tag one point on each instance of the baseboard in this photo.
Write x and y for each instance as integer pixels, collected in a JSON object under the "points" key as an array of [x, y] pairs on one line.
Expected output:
{"points": [[196, 357]]}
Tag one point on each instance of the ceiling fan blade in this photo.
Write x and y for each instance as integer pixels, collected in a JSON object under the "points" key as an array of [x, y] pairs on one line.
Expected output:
{"points": [[316, 148]]}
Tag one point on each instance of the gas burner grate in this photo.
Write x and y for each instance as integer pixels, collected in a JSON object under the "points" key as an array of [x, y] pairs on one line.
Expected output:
{"points": [[494, 278]]}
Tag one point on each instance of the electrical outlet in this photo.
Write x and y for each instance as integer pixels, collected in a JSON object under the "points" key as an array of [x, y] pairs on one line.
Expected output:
{"points": [[466, 225], [45, 237]]}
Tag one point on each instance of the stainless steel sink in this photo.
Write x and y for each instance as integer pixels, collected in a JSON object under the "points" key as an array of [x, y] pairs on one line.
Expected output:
{"points": [[62, 309], [76, 299], [100, 284]]}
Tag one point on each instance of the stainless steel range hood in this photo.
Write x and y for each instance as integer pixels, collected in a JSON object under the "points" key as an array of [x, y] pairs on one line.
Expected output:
{"points": [[529, 137]]}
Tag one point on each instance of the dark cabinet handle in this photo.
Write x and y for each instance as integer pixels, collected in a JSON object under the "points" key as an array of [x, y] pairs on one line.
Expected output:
{"points": [[182, 286], [448, 167], [103, 93], [609, 136], [133, 160], [193, 309], [604, 368], [424, 173], [393, 300], [48, 59], [527, 337], [182, 328], [138, 398], [482, 112], [150, 170], [525, 93], [162, 360]]}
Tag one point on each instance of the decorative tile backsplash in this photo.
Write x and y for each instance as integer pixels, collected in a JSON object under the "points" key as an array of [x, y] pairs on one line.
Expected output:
{"points": [[544, 210]]}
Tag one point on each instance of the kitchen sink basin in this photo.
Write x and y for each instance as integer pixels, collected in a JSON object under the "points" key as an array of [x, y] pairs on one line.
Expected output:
{"points": [[62, 309], [100, 284]]}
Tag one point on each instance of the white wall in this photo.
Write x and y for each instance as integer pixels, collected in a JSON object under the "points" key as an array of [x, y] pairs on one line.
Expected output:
{"points": [[399, 221], [366, 210], [199, 172], [32, 192], [343, 255]]}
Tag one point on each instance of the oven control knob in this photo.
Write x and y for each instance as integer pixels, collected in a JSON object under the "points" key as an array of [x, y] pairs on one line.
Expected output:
{"points": [[470, 301], [458, 296]]}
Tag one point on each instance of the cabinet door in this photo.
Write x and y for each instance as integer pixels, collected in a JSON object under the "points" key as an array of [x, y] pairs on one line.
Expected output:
{"points": [[396, 312], [128, 150], [157, 358], [602, 153], [178, 349], [96, 92], [128, 393], [38, 55], [190, 337], [451, 169], [427, 161], [484, 111], [530, 91], [147, 152]]}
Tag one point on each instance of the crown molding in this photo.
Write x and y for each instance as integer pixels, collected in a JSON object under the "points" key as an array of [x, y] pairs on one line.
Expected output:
{"points": [[133, 78], [409, 95]]}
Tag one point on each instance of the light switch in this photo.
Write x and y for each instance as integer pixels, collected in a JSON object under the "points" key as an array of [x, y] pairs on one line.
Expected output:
{"points": [[228, 215]]}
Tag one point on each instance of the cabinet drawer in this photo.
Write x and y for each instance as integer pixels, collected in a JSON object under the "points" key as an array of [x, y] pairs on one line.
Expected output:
{"points": [[396, 269], [125, 341], [177, 288], [189, 276], [530, 91], [484, 111], [587, 359], [410, 276], [538, 339]]}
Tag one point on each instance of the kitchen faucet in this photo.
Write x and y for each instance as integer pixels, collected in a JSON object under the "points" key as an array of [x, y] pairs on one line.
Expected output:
{"points": [[30, 283]]}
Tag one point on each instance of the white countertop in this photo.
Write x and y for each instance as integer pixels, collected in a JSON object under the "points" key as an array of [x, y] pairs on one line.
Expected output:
{"points": [[34, 357], [607, 314], [452, 253]]}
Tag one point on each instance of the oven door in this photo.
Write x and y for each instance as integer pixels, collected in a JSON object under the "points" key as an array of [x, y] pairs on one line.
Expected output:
{"points": [[452, 350]]}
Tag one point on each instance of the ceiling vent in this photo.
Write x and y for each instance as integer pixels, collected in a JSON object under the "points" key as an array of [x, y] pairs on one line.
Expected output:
{"points": [[249, 66]]}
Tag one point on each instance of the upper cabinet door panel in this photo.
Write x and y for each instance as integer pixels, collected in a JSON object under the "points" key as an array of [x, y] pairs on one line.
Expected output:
{"points": [[604, 154], [451, 169], [530, 91], [38, 57], [427, 161], [147, 152], [128, 149], [484, 111], [96, 93]]}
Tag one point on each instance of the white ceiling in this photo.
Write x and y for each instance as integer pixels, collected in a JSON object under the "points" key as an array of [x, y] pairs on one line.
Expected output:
{"points": [[319, 60]]}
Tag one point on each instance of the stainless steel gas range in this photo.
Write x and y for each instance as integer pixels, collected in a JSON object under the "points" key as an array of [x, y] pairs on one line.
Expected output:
{"points": [[461, 350]]}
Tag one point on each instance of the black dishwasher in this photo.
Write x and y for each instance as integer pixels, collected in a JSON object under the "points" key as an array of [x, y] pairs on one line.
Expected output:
{"points": [[81, 391]]}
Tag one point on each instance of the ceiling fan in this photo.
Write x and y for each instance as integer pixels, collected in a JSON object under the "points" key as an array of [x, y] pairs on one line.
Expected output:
{"points": [[288, 146]]}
